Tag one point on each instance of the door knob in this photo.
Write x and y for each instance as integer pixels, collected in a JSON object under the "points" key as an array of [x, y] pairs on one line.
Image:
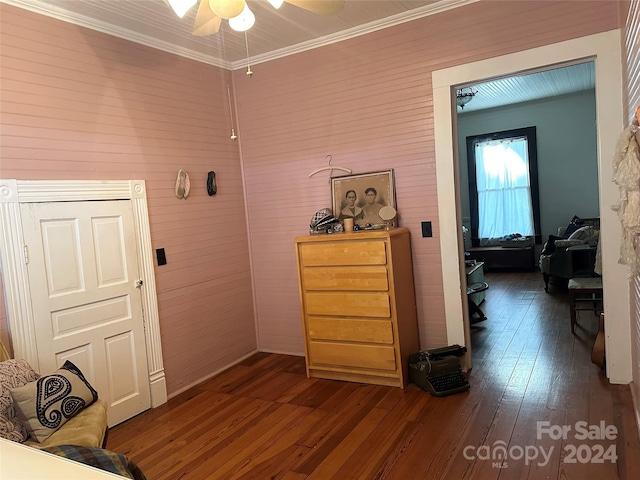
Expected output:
{"points": [[138, 283]]}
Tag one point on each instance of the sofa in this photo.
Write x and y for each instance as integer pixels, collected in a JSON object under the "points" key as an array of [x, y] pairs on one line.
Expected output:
{"points": [[571, 253], [84, 414]]}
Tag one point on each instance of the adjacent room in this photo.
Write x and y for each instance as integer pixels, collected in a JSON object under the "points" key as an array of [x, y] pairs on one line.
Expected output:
{"points": [[173, 196]]}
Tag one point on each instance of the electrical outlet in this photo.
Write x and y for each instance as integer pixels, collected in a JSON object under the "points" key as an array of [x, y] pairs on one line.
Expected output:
{"points": [[426, 229], [160, 255]]}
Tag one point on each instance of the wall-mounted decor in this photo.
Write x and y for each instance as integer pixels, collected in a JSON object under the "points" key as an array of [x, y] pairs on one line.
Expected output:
{"points": [[362, 196], [212, 187], [183, 184]]}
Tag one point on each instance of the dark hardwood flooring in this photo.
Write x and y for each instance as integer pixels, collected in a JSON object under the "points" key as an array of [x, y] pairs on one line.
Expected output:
{"points": [[263, 419]]}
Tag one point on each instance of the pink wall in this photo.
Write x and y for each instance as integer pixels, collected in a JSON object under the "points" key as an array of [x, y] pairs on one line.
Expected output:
{"points": [[368, 102], [78, 104]]}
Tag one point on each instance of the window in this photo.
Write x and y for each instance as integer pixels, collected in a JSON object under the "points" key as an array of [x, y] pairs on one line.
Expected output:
{"points": [[503, 185]]}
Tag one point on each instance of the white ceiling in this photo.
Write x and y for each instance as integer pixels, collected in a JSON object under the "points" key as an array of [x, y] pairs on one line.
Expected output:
{"points": [[276, 33], [534, 86], [286, 31]]}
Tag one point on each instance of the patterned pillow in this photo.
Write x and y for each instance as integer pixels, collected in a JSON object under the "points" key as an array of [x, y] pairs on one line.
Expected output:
{"points": [[13, 373], [46, 404]]}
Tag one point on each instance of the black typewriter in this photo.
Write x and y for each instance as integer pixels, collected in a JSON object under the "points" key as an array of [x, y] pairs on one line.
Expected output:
{"points": [[438, 371]]}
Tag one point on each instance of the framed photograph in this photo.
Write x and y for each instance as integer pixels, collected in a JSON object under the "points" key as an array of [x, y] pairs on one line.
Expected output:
{"points": [[362, 196]]}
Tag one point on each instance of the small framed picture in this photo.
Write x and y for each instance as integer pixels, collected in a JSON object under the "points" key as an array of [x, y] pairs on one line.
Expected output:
{"points": [[362, 196]]}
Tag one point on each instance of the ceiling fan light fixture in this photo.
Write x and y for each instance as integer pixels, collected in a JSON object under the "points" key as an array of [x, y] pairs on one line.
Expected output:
{"points": [[181, 7], [276, 3], [244, 21], [227, 9]]}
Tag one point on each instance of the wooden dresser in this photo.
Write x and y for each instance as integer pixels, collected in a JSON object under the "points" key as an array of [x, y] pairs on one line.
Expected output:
{"points": [[358, 305]]}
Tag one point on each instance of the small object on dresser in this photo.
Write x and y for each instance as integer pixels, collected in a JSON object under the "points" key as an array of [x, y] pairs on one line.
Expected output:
{"points": [[323, 221], [348, 224]]}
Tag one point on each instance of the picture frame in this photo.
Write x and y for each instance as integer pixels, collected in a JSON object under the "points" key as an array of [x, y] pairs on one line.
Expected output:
{"points": [[373, 190]]}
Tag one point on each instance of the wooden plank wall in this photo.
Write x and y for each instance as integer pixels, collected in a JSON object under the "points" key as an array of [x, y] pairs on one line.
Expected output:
{"points": [[367, 101], [78, 104], [632, 54]]}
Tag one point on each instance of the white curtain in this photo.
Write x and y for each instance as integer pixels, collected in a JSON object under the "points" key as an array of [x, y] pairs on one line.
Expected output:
{"points": [[503, 184]]}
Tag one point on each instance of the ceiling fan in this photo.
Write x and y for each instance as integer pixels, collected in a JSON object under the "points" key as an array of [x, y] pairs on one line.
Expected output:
{"points": [[211, 12]]}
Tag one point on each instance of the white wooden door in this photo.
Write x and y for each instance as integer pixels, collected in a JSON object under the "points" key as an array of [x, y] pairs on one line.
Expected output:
{"points": [[83, 274]]}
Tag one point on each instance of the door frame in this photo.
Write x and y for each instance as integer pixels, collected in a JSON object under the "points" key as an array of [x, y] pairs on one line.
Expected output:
{"points": [[605, 50], [14, 269]]}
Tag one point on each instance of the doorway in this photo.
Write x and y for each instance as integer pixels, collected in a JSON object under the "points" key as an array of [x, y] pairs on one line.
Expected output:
{"points": [[604, 49], [20, 312]]}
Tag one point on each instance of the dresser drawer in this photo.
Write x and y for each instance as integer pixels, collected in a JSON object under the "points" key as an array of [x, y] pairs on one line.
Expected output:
{"points": [[346, 278], [348, 304], [361, 356], [344, 253], [350, 329]]}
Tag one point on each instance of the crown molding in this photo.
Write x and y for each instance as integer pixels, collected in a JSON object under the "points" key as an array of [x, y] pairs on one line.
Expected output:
{"points": [[93, 24], [42, 8], [364, 29]]}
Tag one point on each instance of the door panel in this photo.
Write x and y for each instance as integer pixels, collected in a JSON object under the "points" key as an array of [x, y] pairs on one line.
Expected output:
{"points": [[82, 272]]}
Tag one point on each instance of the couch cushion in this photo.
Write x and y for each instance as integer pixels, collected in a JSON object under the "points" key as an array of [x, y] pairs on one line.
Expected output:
{"points": [[87, 428], [13, 373], [46, 404]]}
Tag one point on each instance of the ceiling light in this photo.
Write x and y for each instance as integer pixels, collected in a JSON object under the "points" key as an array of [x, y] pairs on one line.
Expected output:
{"points": [[181, 7], [464, 96], [244, 21], [227, 8], [241, 18]]}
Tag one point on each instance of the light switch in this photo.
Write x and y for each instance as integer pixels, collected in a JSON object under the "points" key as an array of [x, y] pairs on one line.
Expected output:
{"points": [[426, 229], [160, 255]]}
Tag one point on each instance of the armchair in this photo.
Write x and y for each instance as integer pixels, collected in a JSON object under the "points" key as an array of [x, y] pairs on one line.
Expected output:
{"points": [[570, 255]]}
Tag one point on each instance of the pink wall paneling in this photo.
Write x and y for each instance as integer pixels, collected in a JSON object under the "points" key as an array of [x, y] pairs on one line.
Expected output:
{"points": [[367, 101], [77, 104]]}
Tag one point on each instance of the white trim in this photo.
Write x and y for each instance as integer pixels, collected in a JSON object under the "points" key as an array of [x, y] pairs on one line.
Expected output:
{"points": [[60, 13], [14, 272], [393, 20], [605, 50]]}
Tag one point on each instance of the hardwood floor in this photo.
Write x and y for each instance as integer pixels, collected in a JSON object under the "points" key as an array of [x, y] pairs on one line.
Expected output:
{"points": [[263, 419]]}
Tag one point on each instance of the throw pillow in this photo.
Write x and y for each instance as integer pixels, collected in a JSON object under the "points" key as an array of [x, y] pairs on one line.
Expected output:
{"points": [[46, 404], [13, 373], [575, 223], [583, 233]]}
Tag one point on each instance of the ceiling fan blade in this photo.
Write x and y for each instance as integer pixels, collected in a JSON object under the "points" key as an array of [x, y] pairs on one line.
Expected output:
{"points": [[207, 22], [321, 7], [227, 8]]}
